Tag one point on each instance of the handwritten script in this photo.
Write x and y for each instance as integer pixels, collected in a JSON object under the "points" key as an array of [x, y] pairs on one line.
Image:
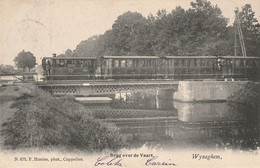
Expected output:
{"points": [[153, 162], [108, 161], [117, 161]]}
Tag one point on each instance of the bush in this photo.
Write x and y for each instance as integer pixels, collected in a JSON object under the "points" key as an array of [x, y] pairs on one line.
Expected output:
{"points": [[247, 96], [45, 121]]}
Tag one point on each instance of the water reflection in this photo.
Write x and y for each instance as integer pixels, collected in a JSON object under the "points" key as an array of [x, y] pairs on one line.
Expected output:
{"points": [[153, 117], [136, 105], [200, 112], [154, 99]]}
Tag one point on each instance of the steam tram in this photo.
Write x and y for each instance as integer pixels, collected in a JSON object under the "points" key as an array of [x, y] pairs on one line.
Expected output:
{"points": [[151, 67], [69, 68]]}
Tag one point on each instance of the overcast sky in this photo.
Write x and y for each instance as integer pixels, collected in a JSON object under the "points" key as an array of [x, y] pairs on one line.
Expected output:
{"points": [[52, 26]]}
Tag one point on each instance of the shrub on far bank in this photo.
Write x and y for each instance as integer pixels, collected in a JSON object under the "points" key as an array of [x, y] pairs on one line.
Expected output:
{"points": [[248, 96], [45, 121]]}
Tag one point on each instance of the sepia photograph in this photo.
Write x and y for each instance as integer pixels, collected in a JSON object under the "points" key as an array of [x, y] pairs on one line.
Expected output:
{"points": [[129, 83]]}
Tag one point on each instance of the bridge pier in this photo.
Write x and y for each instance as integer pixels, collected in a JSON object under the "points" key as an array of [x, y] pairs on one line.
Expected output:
{"points": [[207, 91]]}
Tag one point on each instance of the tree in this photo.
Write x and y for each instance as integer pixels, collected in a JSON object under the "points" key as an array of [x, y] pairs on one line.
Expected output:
{"points": [[92, 47], [206, 26], [130, 32], [188, 32], [6, 68], [199, 30], [251, 30], [68, 53], [25, 60]]}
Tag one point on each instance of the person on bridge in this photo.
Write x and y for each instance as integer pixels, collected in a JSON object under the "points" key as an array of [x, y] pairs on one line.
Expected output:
{"points": [[48, 68]]}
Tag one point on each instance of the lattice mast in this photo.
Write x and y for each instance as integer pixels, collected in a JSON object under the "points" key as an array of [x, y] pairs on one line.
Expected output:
{"points": [[238, 31]]}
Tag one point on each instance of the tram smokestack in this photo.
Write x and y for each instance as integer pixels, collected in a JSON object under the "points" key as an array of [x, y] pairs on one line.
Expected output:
{"points": [[54, 55]]}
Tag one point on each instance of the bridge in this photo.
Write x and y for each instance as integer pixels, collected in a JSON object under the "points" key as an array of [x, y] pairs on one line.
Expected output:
{"points": [[185, 91], [86, 88]]}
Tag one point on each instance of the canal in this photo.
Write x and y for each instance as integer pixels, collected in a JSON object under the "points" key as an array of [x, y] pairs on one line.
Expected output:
{"points": [[153, 118]]}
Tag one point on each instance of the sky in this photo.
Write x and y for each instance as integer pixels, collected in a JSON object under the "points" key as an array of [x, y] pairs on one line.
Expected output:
{"points": [[44, 27]]}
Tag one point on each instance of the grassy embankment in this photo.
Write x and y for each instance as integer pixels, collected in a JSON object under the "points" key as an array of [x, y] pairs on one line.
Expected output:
{"points": [[38, 120]]}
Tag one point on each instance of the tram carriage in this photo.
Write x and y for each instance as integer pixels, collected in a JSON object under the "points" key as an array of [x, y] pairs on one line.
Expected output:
{"points": [[189, 67], [129, 67], [152, 67], [69, 68], [247, 67], [206, 67]]}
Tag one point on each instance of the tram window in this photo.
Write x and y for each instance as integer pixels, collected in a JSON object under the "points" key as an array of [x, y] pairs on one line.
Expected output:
{"points": [[53, 63], [105, 63], [182, 62], [130, 63], [211, 62], [202, 62], [145, 63], [142, 64], [57, 63], [237, 63], [119, 63], [188, 62], [207, 62], [69, 61], [86, 63], [198, 62], [153, 63], [242, 63], [62, 63], [250, 63], [77, 63], [116, 63], [149, 62], [81, 63], [176, 63], [122, 63], [194, 63], [136, 63]]}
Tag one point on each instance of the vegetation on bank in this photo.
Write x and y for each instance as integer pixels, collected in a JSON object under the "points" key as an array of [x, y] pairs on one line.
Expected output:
{"points": [[43, 121], [248, 95]]}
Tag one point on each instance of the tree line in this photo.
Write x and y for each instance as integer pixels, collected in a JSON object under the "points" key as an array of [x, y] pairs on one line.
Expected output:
{"points": [[199, 30]]}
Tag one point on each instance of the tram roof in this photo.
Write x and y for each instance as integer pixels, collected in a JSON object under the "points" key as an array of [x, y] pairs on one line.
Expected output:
{"points": [[227, 57], [70, 58], [239, 57], [130, 57]]}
